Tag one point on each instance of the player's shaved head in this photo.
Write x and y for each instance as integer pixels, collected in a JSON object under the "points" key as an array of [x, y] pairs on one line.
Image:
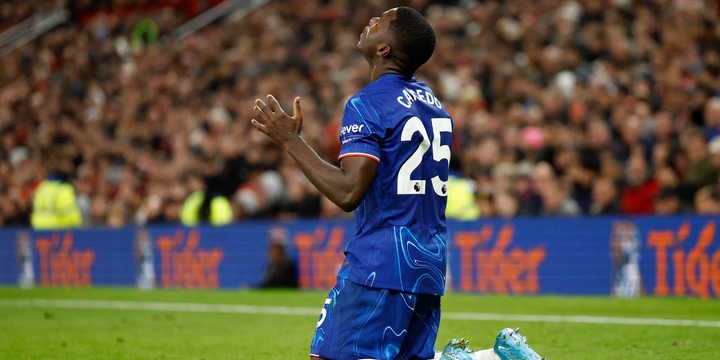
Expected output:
{"points": [[414, 38]]}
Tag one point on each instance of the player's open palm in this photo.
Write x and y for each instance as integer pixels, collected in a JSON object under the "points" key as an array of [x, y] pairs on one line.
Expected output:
{"points": [[274, 122]]}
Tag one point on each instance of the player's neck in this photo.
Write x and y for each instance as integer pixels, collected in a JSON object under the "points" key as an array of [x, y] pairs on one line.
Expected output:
{"points": [[378, 70]]}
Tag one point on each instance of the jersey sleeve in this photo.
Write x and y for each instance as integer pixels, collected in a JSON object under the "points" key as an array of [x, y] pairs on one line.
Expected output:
{"points": [[358, 134]]}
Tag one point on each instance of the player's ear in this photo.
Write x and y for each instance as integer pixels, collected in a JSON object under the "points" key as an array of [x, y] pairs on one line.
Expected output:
{"points": [[383, 50]]}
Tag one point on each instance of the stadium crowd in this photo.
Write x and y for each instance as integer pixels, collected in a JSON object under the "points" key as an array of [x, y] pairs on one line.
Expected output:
{"points": [[561, 107]]}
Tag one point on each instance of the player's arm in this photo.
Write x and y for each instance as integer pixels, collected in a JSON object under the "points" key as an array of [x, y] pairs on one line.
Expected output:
{"points": [[345, 185]]}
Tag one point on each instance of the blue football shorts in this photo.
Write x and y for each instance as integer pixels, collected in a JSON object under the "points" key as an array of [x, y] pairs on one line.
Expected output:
{"points": [[359, 322]]}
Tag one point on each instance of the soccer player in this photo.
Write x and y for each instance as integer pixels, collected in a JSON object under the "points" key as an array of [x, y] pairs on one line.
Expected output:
{"points": [[393, 173]]}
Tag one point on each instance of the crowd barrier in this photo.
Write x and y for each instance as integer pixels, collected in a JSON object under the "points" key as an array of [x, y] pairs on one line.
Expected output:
{"points": [[669, 256]]}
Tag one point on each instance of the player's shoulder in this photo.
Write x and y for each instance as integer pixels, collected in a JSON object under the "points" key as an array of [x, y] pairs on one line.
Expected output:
{"points": [[373, 96]]}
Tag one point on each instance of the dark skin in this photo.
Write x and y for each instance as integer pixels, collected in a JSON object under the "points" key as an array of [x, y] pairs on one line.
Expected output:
{"points": [[347, 184]]}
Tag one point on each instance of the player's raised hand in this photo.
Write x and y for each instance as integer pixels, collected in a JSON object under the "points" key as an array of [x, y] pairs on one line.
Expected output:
{"points": [[274, 122]]}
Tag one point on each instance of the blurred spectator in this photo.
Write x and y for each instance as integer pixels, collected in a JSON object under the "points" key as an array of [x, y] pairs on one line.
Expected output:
{"points": [[711, 121], [461, 202], [625, 90], [640, 189], [485, 204], [714, 151], [605, 197], [528, 201], [555, 197], [700, 173], [505, 204], [281, 270], [667, 202], [707, 201], [556, 201], [205, 204], [301, 199], [54, 201], [583, 175]]}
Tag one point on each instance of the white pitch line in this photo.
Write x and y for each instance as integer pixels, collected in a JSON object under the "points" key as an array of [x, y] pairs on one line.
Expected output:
{"points": [[580, 319], [302, 311], [159, 306]]}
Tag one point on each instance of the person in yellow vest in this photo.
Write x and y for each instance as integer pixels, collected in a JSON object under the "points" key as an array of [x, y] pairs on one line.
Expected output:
{"points": [[55, 204], [206, 206], [461, 199]]}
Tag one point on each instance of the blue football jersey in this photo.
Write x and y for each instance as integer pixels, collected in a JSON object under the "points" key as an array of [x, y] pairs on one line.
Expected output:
{"points": [[401, 231]]}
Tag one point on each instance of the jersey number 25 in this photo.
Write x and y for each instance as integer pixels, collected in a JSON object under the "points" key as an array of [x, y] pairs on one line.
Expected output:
{"points": [[408, 186]]}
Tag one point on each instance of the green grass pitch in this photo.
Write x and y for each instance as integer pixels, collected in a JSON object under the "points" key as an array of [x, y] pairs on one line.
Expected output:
{"points": [[100, 323]]}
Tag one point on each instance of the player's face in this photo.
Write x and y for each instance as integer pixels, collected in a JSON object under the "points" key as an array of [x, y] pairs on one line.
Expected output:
{"points": [[377, 31]]}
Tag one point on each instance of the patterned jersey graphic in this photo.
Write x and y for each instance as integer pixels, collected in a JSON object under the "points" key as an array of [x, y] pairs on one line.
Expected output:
{"points": [[401, 230]]}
